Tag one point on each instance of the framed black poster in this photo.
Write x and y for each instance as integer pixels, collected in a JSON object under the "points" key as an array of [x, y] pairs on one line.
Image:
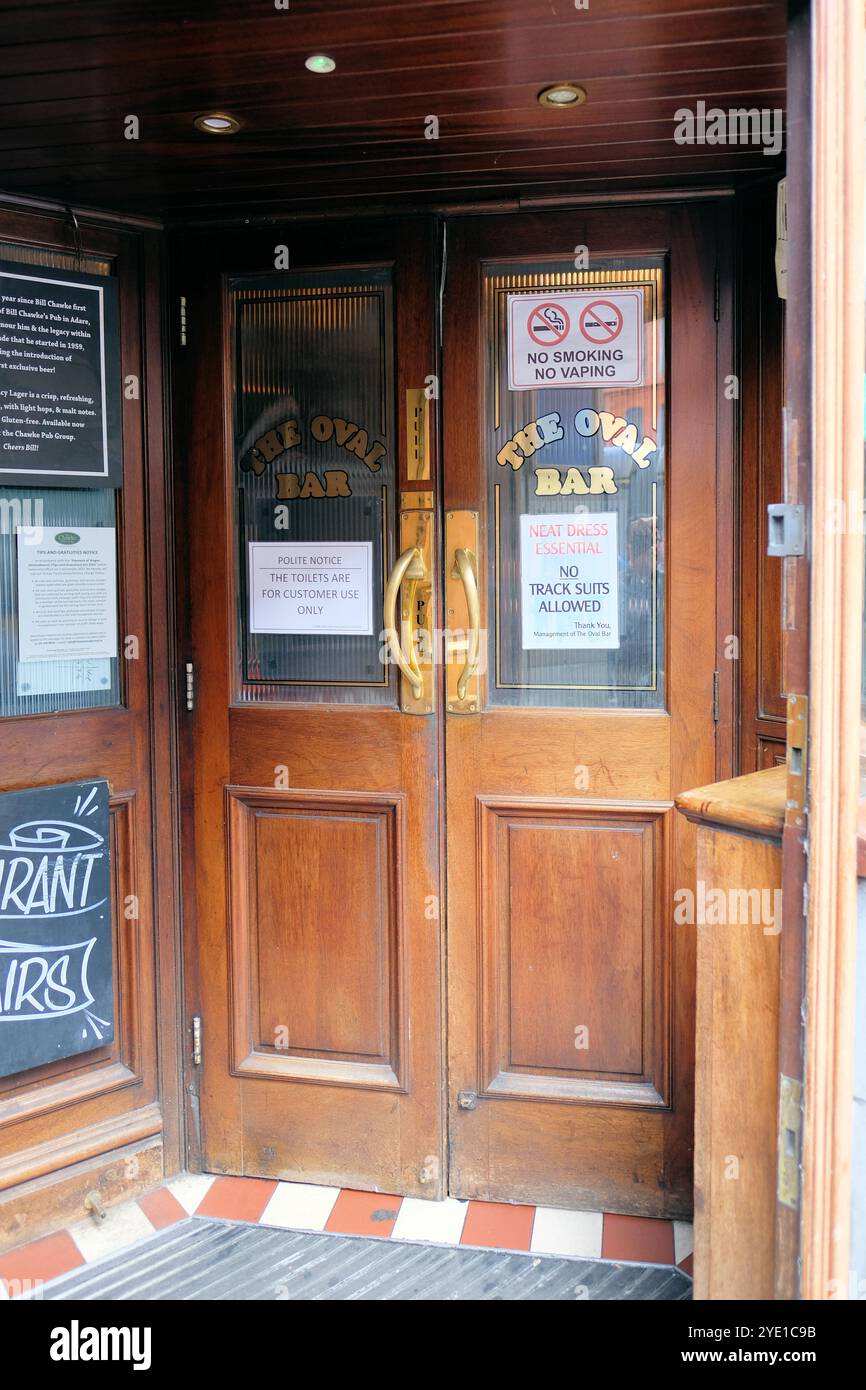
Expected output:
{"points": [[56, 994], [59, 378]]}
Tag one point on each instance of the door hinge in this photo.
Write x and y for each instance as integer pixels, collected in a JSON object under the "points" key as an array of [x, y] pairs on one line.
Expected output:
{"points": [[790, 1119], [717, 296], [190, 686], [182, 320], [196, 1041], [717, 697]]}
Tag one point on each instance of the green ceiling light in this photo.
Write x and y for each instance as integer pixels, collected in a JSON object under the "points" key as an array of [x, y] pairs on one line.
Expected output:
{"points": [[562, 94], [320, 62], [217, 123]]}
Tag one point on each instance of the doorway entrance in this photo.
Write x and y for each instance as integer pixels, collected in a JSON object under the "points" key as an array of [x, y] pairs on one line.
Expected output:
{"points": [[450, 531]]}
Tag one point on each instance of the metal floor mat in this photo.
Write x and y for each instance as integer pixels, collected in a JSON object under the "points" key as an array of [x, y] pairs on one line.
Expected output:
{"points": [[204, 1259]]}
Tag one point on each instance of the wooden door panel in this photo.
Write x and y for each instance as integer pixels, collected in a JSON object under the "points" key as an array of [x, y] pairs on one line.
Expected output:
{"points": [[551, 753], [317, 936], [572, 938], [314, 835], [563, 851]]}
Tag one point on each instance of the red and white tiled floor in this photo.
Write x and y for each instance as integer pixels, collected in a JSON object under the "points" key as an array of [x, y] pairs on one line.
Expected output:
{"points": [[302, 1206]]}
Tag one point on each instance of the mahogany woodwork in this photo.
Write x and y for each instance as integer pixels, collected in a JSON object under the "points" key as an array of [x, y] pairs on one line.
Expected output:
{"points": [[739, 839], [59, 1121], [613, 1139], [761, 402], [355, 138], [317, 941], [316, 904]]}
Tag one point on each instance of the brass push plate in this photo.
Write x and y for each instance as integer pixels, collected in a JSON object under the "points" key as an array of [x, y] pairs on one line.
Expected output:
{"points": [[462, 691]]}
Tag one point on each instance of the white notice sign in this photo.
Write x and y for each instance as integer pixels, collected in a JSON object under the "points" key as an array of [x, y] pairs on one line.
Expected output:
{"points": [[575, 338], [569, 580], [311, 586], [67, 594]]}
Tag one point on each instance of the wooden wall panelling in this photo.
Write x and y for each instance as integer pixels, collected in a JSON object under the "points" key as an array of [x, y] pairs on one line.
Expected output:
{"points": [[64, 1118]]}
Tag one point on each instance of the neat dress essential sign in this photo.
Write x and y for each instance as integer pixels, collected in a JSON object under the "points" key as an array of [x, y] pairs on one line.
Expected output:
{"points": [[575, 338], [56, 992], [59, 378], [569, 580]]}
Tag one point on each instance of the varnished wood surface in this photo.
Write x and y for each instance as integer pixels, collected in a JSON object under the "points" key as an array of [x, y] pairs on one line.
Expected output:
{"points": [[71, 74], [753, 804], [57, 1120], [761, 403], [736, 1081], [618, 1139], [314, 920]]}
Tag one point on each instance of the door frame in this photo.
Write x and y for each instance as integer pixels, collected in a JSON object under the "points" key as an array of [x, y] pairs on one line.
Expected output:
{"points": [[823, 466]]}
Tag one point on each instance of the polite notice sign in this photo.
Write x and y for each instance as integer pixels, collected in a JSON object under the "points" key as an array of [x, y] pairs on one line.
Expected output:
{"points": [[56, 995], [575, 338], [59, 378], [311, 587], [67, 594], [569, 580]]}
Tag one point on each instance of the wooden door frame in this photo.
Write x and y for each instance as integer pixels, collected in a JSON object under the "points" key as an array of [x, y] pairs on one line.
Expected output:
{"points": [[827, 68]]}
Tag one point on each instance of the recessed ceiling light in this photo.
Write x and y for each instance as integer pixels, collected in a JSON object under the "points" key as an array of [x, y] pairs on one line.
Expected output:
{"points": [[217, 123], [320, 62], [562, 94]]}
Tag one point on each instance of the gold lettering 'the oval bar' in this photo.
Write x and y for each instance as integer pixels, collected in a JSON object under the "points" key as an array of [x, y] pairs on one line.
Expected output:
{"points": [[614, 428]]}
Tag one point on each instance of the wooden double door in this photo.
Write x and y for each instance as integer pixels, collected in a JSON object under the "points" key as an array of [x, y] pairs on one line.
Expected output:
{"points": [[448, 517]]}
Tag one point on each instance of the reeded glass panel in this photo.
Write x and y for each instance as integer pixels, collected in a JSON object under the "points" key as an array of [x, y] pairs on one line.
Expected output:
{"points": [[575, 429], [314, 474], [40, 687]]}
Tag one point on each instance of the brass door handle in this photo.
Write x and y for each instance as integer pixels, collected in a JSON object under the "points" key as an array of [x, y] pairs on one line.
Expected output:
{"points": [[410, 565], [465, 569]]}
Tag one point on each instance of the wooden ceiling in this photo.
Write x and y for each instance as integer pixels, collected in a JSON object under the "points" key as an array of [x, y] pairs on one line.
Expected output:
{"points": [[354, 139]]}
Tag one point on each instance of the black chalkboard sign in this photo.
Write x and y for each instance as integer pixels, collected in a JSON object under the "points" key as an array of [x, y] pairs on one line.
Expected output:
{"points": [[59, 378], [56, 996]]}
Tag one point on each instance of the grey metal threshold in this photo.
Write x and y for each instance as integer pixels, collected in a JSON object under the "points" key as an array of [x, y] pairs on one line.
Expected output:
{"points": [[207, 1259]]}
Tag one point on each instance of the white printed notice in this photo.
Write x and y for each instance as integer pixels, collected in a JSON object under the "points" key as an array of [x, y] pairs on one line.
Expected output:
{"points": [[67, 594], [311, 586], [569, 580], [585, 338]]}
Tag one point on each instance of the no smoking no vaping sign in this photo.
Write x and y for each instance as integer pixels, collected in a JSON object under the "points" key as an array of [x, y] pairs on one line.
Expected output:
{"points": [[575, 338]]}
